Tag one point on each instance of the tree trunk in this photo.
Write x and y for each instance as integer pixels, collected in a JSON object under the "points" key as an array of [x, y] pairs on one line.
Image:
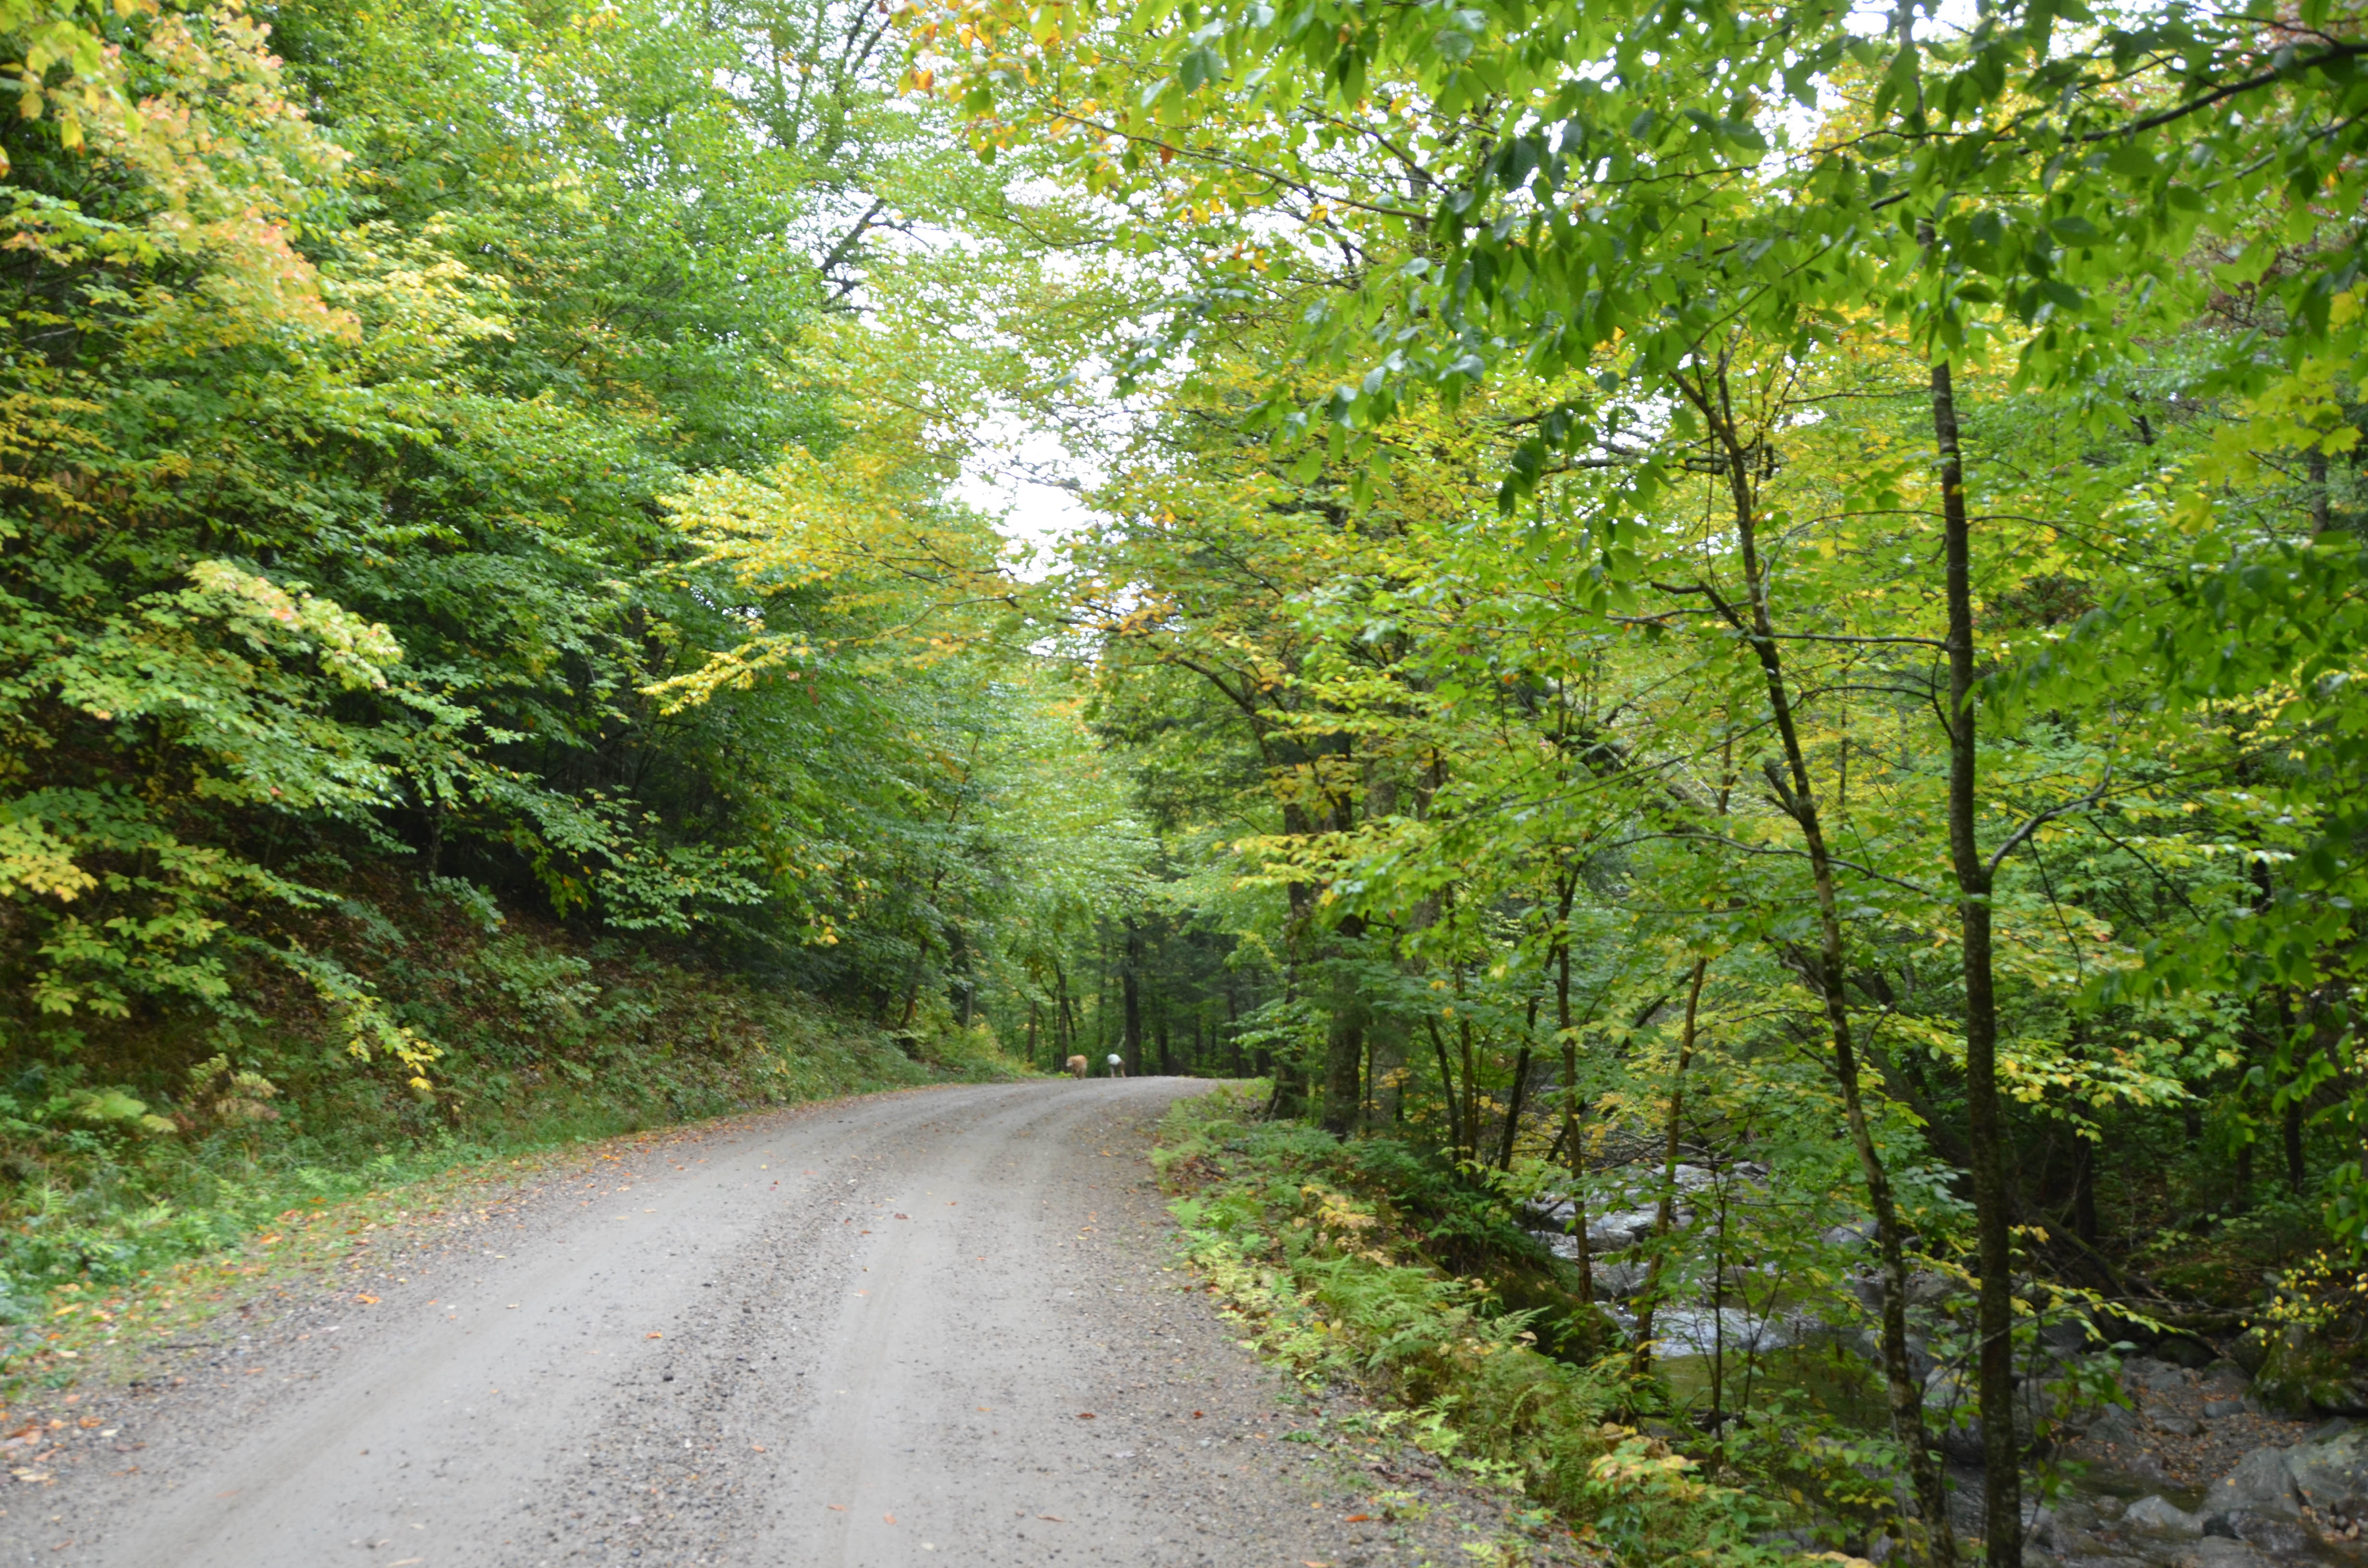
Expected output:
{"points": [[1471, 1140], [1994, 1316], [1447, 1087], [1573, 1145], [1130, 1001], [2084, 1187], [1664, 1214], [1344, 1043]]}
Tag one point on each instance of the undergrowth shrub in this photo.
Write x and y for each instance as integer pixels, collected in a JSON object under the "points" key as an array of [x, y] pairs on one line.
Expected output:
{"points": [[1323, 1252]]}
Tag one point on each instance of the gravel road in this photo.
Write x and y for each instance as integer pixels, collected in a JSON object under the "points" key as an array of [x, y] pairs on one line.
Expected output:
{"points": [[933, 1327]]}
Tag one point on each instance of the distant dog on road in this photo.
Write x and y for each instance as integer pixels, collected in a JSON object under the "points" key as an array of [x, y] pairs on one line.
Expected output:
{"points": [[1116, 1066], [1077, 1066]]}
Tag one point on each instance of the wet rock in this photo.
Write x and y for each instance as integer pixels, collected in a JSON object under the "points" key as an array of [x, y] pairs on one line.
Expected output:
{"points": [[2158, 1515], [2226, 1379], [2331, 1469], [2115, 1427], [2221, 1409], [1626, 1228], [2281, 1537], [1927, 1288], [2064, 1339], [1857, 1233], [2219, 1551], [2178, 1426], [1616, 1280], [2260, 1484], [2073, 1513]]}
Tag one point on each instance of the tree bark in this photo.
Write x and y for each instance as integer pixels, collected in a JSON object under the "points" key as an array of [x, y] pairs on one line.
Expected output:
{"points": [[1447, 1087], [1513, 1107], [1571, 1142], [1994, 1315], [1665, 1213], [1344, 1043], [1130, 1001]]}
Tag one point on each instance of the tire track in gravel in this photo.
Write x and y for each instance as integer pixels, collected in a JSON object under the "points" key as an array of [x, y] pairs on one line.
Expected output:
{"points": [[929, 1327]]}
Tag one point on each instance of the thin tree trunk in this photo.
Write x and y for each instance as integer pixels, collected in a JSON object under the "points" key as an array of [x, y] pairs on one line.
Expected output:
{"points": [[1665, 1213], [1571, 1141], [1447, 1087], [1130, 1001], [1513, 1107], [1344, 1043], [1994, 1315], [2084, 1186], [1471, 1089]]}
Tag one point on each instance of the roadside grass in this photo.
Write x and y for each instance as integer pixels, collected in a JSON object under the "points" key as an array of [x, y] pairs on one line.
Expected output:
{"points": [[1311, 1245], [199, 1188], [89, 1332]]}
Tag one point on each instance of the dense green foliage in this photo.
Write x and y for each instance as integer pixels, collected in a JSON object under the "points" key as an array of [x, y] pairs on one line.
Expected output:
{"points": [[389, 402], [1772, 597], [1749, 618]]}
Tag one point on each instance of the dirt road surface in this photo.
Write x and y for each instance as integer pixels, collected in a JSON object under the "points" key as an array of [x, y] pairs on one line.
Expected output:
{"points": [[938, 1327]]}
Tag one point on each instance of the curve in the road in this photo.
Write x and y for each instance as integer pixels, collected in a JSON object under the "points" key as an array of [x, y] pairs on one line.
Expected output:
{"points": [[923, 1328]]}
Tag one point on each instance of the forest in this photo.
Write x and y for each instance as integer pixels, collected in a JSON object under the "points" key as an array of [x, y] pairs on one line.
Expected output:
{"points": [[1723, 646]]}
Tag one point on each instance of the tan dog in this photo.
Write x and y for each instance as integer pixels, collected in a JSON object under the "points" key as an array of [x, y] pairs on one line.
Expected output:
{"points": [[1077, 1066]]}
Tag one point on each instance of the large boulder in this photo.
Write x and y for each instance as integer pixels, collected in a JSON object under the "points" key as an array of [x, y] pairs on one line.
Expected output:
{"points": [[2158, 1515], [2261, 1483], [2323, 1372], [2330, 1469], [2284, 1540], [2219, 1551]]}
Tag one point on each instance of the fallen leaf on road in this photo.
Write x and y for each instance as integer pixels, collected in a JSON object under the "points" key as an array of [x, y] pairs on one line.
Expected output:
{"points": [[1052, 1519], [982, 1410], [888, 1518], [88, 1421], [654, 1336], [1196, 1416], [1085, 1416], [833, 1508], [366, 1300], [756, 1447], [1358, 1519]]}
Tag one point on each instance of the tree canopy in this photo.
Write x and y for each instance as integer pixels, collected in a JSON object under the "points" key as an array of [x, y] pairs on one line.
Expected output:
{"points": [[1650, 587]]}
